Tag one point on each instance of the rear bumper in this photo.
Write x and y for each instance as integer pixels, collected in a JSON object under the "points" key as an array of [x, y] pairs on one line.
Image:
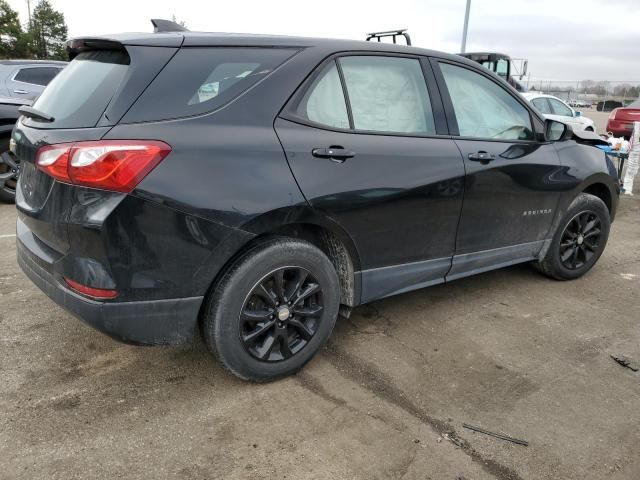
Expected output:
{"points": [[155, 322], [620, 128]]}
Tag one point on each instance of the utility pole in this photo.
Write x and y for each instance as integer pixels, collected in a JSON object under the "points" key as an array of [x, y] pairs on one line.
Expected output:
{"points": [[463, 47], [29, 12]]}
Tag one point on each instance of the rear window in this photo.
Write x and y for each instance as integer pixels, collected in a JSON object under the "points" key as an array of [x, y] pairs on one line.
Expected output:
{"points": [[199, 80], [80, 93], [36, 75]]}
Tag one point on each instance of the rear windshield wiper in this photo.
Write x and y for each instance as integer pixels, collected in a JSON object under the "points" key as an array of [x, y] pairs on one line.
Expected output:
{"points": [[36, 114]]}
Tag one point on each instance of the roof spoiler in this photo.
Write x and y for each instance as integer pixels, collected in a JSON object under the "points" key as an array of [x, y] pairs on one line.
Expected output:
{"points": [[390, 33], [79, 45], [163, 26]]}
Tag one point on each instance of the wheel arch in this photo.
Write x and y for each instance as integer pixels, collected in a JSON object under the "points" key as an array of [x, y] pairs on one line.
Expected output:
{"points": [[328, 237], [600, 190]]}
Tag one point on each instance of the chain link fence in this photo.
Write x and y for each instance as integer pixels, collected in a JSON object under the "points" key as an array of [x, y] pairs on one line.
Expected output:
{"points": [[599, 95]]}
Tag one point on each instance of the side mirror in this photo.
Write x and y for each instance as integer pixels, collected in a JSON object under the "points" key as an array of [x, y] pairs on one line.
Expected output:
{"points": [[555, 131], [577, 113]]}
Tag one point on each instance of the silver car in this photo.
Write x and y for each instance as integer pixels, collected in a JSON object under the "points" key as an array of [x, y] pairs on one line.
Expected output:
{"points": [[26, 79]]}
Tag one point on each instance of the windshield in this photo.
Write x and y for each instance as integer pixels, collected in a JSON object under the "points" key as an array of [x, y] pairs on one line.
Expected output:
{"points": [[79, 95]]}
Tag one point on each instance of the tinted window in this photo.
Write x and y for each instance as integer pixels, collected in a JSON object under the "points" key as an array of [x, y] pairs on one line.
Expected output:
{"points": [[484, 109], [199, 80], [502, 68], [388, 94], [560, 108], [36, 75], [323, 102], [78, 96], [542, 105]]}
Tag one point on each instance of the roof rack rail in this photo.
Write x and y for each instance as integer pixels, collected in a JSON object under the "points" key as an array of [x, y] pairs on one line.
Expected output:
{"points": [[390, 33], [162, 26]]}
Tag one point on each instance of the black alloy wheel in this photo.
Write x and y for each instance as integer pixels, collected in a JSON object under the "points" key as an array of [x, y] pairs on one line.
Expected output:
{"points": [[9, 172], [281, 314], [580, 240]]}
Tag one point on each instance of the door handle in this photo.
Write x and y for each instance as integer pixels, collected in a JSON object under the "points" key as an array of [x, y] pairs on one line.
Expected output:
{"points": [[334, 153], [482, 157], [20, 91]]}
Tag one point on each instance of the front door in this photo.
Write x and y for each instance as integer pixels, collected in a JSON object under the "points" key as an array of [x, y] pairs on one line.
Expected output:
{"points": [[511, 192], [368, 153]]}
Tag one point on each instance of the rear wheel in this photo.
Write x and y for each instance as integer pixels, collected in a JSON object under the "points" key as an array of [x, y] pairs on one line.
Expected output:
{"points": [[8, 173], [272, 310], [579, 240]]}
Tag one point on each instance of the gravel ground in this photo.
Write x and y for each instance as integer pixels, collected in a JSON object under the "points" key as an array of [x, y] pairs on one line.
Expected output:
{"points": [[510, 351]]}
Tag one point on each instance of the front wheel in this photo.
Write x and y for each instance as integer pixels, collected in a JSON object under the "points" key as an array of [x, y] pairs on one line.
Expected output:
{"points": [[272, 310], [579, 240]]}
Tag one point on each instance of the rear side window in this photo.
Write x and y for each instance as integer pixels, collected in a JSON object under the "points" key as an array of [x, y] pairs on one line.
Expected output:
{"points": [[388, 94], [36, 75], [80, 93], [323, 102], [198, 80]]}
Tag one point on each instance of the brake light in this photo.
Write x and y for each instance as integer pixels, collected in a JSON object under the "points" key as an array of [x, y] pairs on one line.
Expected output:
{"points": [[117, 165], [102, 293], [612, 115]]}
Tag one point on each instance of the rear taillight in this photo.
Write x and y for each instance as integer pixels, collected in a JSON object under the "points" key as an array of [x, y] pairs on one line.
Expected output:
{"points": [[612, 115], [117, 165]]}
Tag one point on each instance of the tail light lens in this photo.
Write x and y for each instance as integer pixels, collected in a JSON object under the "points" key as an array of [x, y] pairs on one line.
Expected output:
{"points": [[117, 165], [612, 115]]}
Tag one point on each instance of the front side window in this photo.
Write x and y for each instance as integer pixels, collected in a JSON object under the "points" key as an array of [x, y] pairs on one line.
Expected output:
{"points": [[542, 105], [323, 102], [388, 94], [560, 108], [483, 109], [37, 75]]}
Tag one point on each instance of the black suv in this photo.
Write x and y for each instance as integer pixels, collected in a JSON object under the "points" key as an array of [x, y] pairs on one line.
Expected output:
{"points": [[258, 186]]}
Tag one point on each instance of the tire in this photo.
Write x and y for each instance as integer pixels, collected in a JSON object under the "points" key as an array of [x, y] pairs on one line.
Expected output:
{"points": [[237, 309], [579, 240], [8, 189]]}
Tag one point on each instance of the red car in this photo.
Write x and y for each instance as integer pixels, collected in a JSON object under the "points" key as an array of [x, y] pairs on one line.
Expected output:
{"points": [[621, 120]]}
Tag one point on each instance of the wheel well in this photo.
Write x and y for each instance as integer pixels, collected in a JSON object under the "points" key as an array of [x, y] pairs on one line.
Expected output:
{"points": [[601, 191], [332, 246]]}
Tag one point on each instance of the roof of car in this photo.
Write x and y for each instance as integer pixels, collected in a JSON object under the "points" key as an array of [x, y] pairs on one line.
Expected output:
{"points": [[32, 62], [529, 95], [200, 39]]}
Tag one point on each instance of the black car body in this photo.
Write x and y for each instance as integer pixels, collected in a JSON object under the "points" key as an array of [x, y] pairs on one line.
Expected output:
{"points": [[393, 211]]}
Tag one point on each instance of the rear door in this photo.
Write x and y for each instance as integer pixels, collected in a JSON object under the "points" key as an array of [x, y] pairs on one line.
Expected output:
{"points": [[29, 82], [510, 192], [366, 139]]}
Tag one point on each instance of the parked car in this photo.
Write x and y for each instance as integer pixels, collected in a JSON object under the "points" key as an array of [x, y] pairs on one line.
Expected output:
{"points": [[608, 105], [256, 186], [20, 82], [620, 122], [555, 109], [26, 79]]}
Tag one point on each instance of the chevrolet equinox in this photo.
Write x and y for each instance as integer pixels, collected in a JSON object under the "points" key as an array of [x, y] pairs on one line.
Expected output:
{"points": [[255, 187]]}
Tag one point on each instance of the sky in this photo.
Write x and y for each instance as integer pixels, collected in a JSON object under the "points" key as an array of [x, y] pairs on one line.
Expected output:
{"points": [[568, 40]]}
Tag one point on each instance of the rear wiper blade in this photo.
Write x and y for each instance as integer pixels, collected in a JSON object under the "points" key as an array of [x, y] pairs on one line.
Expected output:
{"points": [[34, 113]]}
